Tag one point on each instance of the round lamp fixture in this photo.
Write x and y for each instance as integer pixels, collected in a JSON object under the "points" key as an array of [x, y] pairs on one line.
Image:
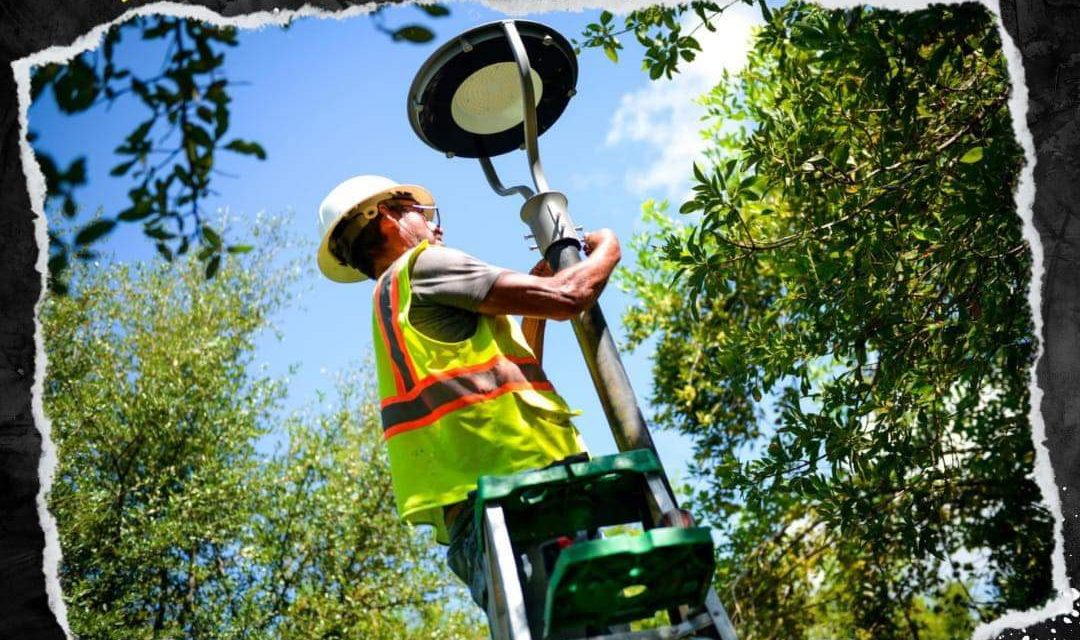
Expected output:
{"points": [[466, 100]]}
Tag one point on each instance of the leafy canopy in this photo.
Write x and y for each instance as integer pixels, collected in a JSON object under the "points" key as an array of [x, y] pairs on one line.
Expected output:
{"points": [[843, 329], [172, 523], [169, 157]]}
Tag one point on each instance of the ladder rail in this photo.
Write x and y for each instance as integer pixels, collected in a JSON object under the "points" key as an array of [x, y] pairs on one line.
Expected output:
{"points": [[506, 603], [660, 502]]}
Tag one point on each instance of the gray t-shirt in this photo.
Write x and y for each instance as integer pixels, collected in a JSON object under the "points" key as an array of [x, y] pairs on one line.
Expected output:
{"points": [[447, 288]]}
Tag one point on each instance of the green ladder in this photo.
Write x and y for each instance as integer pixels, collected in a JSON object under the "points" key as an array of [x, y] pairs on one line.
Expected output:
{"points": [[594, 587]]}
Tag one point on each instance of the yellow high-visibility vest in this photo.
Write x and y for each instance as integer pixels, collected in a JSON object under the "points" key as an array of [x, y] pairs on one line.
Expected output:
{"points": [[453, 411]]}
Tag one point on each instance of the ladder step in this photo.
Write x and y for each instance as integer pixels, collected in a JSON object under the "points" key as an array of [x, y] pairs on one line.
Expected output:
{"points": [[566, 498], [628, 577]]}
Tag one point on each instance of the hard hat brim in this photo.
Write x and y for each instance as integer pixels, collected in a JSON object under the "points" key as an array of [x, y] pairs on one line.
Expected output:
{"points": [[333, 268]]}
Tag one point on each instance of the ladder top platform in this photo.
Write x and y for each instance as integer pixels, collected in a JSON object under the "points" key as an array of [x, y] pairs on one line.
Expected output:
{"points": [[565, 498]]}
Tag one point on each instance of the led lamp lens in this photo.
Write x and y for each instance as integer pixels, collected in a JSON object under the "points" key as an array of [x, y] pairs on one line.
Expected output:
{"points": [[489, 100]]}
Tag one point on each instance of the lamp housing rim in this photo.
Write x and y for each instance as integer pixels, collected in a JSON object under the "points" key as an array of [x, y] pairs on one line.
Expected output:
{"points": [[550, 55]]}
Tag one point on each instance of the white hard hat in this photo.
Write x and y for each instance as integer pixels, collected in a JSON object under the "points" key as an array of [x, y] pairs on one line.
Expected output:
{"points": [[355, 202]]}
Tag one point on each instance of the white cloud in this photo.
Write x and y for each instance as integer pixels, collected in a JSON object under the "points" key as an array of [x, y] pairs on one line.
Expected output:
{"points": [[663, 117]]}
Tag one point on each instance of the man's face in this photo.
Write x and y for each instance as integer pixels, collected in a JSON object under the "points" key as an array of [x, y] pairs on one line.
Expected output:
{"points": [[412, 220]]}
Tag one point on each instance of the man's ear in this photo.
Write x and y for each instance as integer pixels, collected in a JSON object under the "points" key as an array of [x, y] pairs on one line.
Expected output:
{"points": [[387, 224], [391, 234]]}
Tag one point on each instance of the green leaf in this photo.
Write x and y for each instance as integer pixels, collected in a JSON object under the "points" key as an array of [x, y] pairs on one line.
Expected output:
{"points": [[93, 231], [222, 114], [76, 172], [434, 10], [766, 14], [139, 211], [239, 248], [201, 137], [158, 233], [211, 236], [610, 52], [972, 155], [414, 33], [41, 77], [668, 17], [699, 175], [226, 35], [121, 168], [58, 262], [246, 147], [180, 172], [689, 42], [162, 26], [216, 93], [839, 155], [212, 266], [139, 134], [77, 87]]}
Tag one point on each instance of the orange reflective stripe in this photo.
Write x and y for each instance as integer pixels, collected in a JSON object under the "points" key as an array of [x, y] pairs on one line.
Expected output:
{"points": [[386, 313], [395, 301], [381, 321], [443, 393], [461, 402], [446, 374]]}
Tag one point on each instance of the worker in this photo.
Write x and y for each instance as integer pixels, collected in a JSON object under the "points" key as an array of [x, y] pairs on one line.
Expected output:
{"points": [[461, 390]]}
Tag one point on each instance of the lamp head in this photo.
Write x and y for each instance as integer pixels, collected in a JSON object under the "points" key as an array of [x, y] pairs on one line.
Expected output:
{"points": [[466, 100]]}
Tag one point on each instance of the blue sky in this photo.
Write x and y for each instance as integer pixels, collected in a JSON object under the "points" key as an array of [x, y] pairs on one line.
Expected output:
{"points": [[326, 99]]}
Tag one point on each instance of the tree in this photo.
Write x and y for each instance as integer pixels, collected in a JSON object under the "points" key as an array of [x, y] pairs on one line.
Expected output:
{"points": [[658, 29], [843, 329], [170, 155], [172, 524], [349, 569]]}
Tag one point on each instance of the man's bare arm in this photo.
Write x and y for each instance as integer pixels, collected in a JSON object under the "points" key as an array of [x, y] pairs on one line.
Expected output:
{"points": [[562, 295], [533, 328]]}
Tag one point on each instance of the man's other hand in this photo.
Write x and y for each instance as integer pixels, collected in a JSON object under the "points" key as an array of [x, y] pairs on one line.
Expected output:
{"points": [[594, 239], [558, 296], [542, 269]]}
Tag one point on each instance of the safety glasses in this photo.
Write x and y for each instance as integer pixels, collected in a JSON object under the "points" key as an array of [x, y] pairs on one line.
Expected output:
{"points": [[402, 207]]}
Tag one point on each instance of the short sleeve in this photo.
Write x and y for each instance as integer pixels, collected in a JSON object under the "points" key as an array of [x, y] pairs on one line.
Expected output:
{"points": [[445, 276]]}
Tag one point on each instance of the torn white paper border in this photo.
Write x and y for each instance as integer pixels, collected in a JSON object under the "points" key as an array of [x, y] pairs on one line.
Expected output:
{"points": [[1024, 197]]}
